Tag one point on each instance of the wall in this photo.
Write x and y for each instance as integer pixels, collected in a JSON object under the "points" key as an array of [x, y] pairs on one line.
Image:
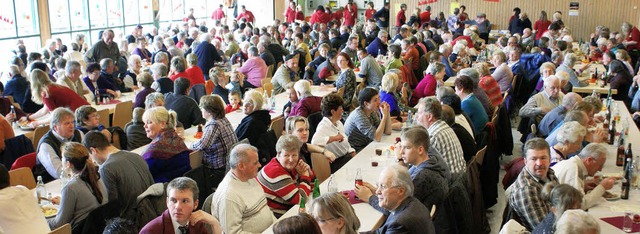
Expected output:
{"points": [[610, 13]]}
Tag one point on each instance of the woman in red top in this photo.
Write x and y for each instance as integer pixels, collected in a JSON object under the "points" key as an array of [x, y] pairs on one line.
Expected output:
{"points": [[194, 72], [320, 16], [427, 86], [290, 13], [488, 84], [52, 95], [299, 13], [368, 14], [541, 25]]}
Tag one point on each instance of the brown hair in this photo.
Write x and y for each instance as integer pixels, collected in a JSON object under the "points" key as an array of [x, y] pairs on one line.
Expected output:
{"points": [[78, 156], [301, 223]]}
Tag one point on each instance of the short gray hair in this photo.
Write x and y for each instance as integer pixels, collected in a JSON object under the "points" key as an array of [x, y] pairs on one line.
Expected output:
{"points": [[184, 184], [159, 68], [253, 51], [303, 87], [569, 59], [383, 33], [400, 177], [389, 82], [288, 142], [151, 99], [594, 150], [471, 73], [161, 56], [571, 132], [71, 66], [577, 221], [239, 154], [434, 68], [59, 114]]}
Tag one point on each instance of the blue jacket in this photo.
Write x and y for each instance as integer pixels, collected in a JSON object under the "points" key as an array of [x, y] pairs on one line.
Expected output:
{"points": [[17, 87], [375, 46]]}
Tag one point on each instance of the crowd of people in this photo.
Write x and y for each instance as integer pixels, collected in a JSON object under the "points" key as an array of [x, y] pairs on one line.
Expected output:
{"points": [[402, 67]]}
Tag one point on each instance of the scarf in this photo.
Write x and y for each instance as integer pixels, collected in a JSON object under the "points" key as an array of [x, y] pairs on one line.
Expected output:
{"points": [[166, 145]]}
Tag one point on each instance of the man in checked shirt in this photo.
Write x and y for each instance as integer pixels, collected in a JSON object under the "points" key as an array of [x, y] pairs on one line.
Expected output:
{"points": [[525, 196]]}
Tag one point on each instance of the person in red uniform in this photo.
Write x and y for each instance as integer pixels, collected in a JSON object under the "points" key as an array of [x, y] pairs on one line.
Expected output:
{"points": [[290, 13], [349, 16], [338, 14], [425, 16], [299, 13], [368, 14], [354, 7], [320, 16], [244, 13], [218, 14], [401, 18]]}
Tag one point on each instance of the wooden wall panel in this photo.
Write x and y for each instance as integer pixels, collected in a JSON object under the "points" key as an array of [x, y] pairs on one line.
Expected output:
{"points": [[610, 13]]}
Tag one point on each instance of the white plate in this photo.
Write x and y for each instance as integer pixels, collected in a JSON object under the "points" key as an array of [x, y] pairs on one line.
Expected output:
{"points": [[56, 207], [614, 197]]}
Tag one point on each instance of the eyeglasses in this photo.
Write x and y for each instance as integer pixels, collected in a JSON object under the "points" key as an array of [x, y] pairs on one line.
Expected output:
{"points": [[383, 187], [320, 220]]}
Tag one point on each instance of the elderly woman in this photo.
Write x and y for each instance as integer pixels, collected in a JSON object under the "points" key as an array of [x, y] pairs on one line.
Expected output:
{"points": [[563, 197], [299, 126], [307, 103], [130, 76], [167, 155], [387, 89], [136, 135], [257, 121], [84, 192], [502, 74], [427, 87], [346, 79], [570, 137], [177, 69], [624, 57], [154, 99], [141, 49], [546, 69], [242, 55], [145, 80], [334, 214], [286, 178], [193, 71], [87, 119], [621, 80], [574, 80], [52, 95], [218, 135], [488, 84], [330, 132], [220, 80]]}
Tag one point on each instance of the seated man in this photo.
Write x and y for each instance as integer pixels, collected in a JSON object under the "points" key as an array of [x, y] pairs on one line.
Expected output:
{"points": [[307, 104], [180, 217], [48, 161], [574, 172], [364, 124], [107, 73], [286, 73], [370, 70], [555, 116], [541, 103], [405, 213], [254, 69], [239, 202], [189, 113], [71, 79], [525, 198], [17, 86], [126, 175], [20, 210], [161, 82], [441, 136]]}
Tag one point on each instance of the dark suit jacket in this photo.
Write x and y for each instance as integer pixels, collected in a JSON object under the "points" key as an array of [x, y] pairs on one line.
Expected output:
{"points": [[162, 225], [411, 216], [16, 87], [207, 56]]}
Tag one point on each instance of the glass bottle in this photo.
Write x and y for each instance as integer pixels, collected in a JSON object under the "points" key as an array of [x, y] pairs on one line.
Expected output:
{"points": [[316, 189], [41, 191], [302, 208], [626, 181]]}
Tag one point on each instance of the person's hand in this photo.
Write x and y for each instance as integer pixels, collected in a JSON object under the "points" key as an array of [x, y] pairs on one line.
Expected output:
{"points": [[303, 168], [10, 117], [384, 108], [199, 215], [331, 156], [112, 92], [338, 137], [34, 124], [362, 192], [597, 136], [307, 68], [544, 109], [106, 133], [608, 183], [55, 200], [23, 119]]}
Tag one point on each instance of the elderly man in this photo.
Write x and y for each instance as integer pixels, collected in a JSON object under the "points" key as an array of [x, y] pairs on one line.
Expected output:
{"points": [[525, 197], [307, 104], [352, 47], [379, 45], [173, 50], [189, 113], [574, 76], [441, 137], [574, 172], [514, 64], [104, 48], [265, 54], [555, 116], [49, 157], [445, 50], [126, 175], [71, 79], [107, 81], [405, 213], [287, 72], [18, 85], [502, 74], [239, 202], [207, 54], [255, 69], [370, 70], [180, 216], [161, 82], [541, 103]]}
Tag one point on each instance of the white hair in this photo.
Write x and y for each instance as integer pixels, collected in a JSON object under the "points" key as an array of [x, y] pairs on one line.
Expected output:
{"points": [[577, 221], [571, 132]]}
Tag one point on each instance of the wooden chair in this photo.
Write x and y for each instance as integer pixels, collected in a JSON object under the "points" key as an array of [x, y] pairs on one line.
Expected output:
{"points": [[321, 166], [104, 117], [39, 133], [267, 87], [64, 229], [433, 212], [278, 126], [479, 158], [195, 158], [269, 71], [265, 81], [122, 114], [22, 176], [209, 86]]}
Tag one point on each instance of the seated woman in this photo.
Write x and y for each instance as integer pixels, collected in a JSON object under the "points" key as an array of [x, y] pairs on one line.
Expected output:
{"points": [[299, 126], [286, 178], [167, 155], [300, 223], [394, 61], [388, 87], [130, 77], [136, 135], [621, 80], [144, 80], [570, 137], [87, 119], [256, 123], [488, 84], [194, 72], [563, 197], [330, 132], [84, 192], [217, 137], [365, 124], [52, 95], [220, 80], [427, 86], [336, 214]]}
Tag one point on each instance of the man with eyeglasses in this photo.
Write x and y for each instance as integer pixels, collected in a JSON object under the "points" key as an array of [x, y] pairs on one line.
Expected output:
{"points": [[394, 196]]}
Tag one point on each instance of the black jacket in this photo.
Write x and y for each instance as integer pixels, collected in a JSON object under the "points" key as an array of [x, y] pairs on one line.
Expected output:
{"points": [[253, 127]]}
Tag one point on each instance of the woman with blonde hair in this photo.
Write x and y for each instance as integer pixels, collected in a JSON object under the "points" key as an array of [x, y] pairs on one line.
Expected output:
{"points": [[52, 95], [84, 192], [334, 214], [388, 87], [167, 155], [488, 84], [299, 126]]}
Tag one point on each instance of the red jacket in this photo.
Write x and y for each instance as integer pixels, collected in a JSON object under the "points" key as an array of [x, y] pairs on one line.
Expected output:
{"points": [[217, 14], [290, 15], [320, 17], [425, 17], [248, 15], [337, 15], [349, 18], [401, 19], [368, 14]]}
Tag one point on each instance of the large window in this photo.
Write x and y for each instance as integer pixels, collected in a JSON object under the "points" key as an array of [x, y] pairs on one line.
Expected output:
{"points": [[176, 10], [19, 19]]}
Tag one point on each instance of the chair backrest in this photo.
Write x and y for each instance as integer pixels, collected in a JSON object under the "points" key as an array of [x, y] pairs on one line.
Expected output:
{"points": [[122, 114], [64, 229], [267, 87], [22, 176], [39, 133], [104, 117], [270, 71], [197, 91], [321, 166], [277, 125], [195, 158], [314, 119], [96, 221], [206, 205], [209, 86], [27, 160], [265, 81]]}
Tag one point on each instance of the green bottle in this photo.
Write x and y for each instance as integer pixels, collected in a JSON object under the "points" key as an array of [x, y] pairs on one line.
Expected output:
{"points": [[302, 205], [316, 189]]}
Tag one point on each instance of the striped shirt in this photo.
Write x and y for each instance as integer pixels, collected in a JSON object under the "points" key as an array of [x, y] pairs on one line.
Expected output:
{"points": [[444, 140], [360, 128], [283, 189]]}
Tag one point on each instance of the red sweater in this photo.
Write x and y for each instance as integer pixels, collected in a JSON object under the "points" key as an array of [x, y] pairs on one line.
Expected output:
{"points": [[320, 17], [60, 96], [490, 86], [401, 19], [290, 15], [283, 189], [195, 75], [368, 14]]}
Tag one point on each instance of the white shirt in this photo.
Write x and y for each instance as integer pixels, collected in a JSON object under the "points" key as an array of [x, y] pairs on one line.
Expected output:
{"points": [[49, 159], [327, 129], [573, 172], [87, 92], [176, 225], [20, 212], [460, 119]]}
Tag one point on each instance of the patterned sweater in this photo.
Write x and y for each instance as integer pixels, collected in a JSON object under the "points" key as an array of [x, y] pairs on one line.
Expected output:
{"points": [[283, 189]]}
